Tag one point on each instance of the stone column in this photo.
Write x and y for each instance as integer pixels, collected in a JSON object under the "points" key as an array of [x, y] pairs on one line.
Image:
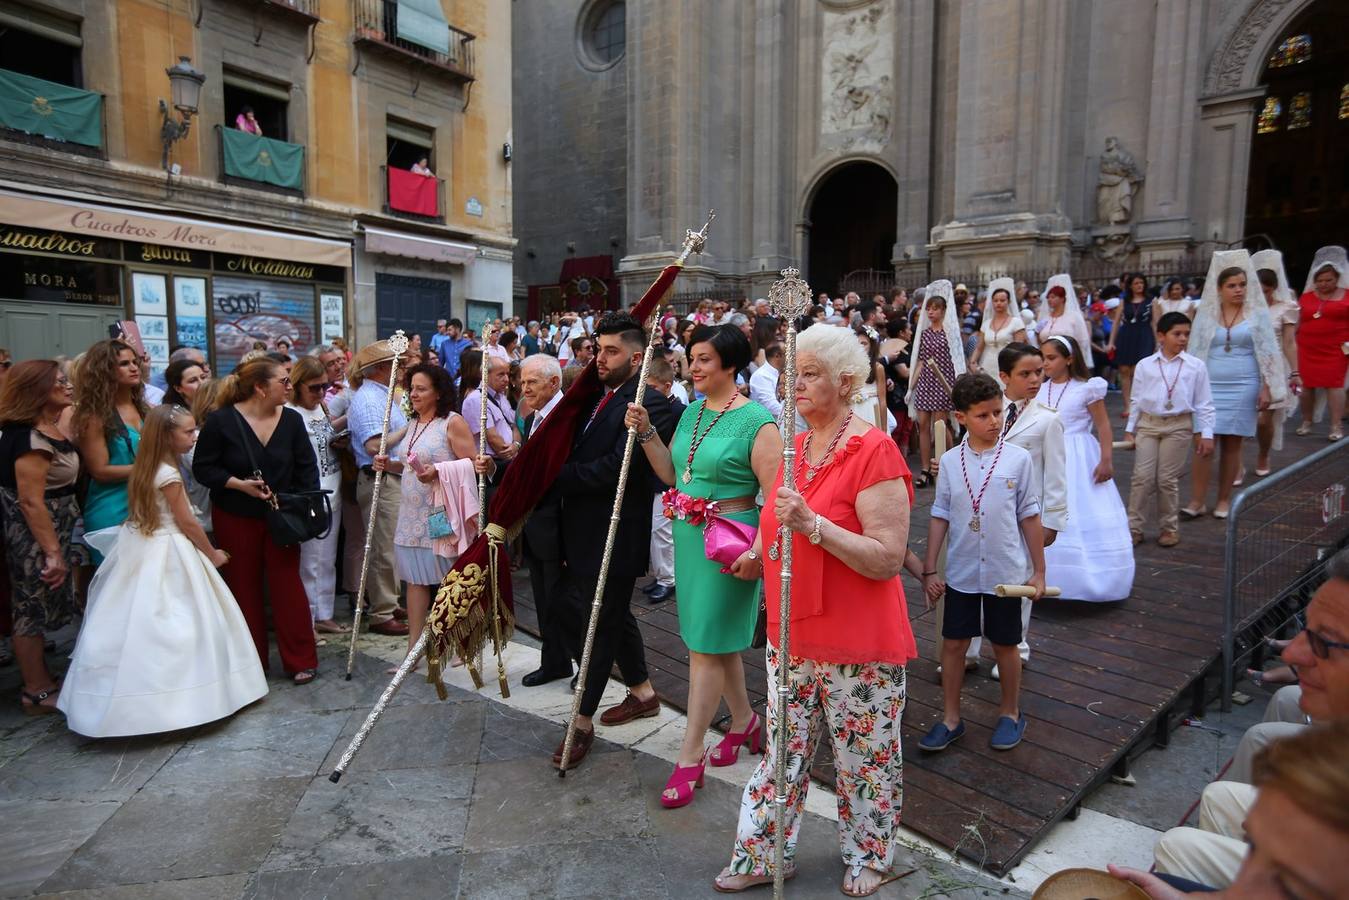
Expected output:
{"points": [[770, 143], [912, 142]]}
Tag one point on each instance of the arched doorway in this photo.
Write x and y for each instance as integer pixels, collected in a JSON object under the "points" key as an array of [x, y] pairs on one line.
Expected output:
{"points": [[1298, 190], [852, 223]]}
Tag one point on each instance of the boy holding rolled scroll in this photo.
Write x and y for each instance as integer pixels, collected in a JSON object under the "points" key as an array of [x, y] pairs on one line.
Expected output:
{"points": [[987, 503]]}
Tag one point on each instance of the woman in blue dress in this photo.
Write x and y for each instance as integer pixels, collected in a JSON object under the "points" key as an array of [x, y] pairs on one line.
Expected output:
{"points": [[109, 411], [1131, 334], [1234, 337]]}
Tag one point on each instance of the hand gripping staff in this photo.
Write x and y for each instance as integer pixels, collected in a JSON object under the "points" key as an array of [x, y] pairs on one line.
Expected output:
{"points": [[398, 345], [789, 298], [478, 586], [694, 242]]}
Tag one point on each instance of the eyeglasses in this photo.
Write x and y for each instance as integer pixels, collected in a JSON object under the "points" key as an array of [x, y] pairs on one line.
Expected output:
{"points": [[317, 388], [6, 364], [285, 380], [1321, 646]]}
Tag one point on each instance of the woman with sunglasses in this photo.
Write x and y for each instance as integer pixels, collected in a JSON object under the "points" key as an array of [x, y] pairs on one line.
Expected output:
{"points": [[318, 558], [249, 448]]}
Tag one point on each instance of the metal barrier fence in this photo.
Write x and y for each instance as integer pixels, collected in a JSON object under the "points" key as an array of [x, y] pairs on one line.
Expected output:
{"points": [[1280, 532]]}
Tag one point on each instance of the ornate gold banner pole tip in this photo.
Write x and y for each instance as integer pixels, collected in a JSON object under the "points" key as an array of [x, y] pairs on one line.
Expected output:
{"points": [[695, 241], [398, 345]]}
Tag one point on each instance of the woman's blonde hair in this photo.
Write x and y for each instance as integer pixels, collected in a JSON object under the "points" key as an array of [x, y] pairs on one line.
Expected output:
{"points": [[156, 449], [95, 378], [306, 369], [837, 350], [1309, 769], [207, 398], [243, 382]]}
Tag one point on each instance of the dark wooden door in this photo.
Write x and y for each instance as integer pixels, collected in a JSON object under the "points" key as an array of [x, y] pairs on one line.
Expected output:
{"points": [[412, 304]]}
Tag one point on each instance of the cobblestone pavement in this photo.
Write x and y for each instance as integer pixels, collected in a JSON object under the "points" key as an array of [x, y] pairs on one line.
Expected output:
{"points": [[451, 799]]}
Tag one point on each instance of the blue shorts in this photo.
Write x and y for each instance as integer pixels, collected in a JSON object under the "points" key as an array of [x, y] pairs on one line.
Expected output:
{"points": [[969, 615]]}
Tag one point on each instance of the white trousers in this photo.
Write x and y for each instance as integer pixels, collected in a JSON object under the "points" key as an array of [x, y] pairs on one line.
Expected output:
{"points": [[1212, 853], [662, 544], [318, 569]]}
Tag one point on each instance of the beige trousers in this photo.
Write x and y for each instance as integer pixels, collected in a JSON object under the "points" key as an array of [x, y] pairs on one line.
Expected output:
{"points": [[381, 584], [1283, 718], [1161, 450], [1212, 853]]}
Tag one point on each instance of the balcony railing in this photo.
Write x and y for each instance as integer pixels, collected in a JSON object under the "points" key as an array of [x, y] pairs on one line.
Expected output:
{"points": [[260, 162], [377, 27], [51, 113], [412, 196]]}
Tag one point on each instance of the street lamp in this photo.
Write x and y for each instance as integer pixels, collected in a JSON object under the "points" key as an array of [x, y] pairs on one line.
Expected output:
{"points": [[185, 85]]}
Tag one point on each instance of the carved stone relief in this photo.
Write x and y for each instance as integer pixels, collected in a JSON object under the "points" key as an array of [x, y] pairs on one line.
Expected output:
{"points": [[1228, 64], [856, 84]]}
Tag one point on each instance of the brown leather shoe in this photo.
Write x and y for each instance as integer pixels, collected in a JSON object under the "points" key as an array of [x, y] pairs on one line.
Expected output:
{"points": [[1137, 537], [391, 627], [580, 746], [631, 708], [1168, 539]]}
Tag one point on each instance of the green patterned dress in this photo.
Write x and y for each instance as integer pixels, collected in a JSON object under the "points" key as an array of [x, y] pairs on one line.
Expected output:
{"points": [[717, 613]]}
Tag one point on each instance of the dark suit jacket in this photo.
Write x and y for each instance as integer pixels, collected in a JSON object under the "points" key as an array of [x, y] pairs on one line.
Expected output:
{"points": [[543, 528], [588, 484], [677, 408]]}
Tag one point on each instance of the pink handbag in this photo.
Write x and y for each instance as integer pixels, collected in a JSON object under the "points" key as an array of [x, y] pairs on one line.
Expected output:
{"points": [[725, 540]]}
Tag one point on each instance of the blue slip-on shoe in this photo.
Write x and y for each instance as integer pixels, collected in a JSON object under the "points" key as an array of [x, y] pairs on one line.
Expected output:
{"points": [[941, 737], [1008, 732]]}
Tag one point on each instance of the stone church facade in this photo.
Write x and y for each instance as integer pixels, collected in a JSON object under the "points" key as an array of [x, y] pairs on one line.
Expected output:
{"points": [[921, 136]]}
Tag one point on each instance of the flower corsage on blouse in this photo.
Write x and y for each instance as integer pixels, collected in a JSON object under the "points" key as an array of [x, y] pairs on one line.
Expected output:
{"points": [[694, 510]]}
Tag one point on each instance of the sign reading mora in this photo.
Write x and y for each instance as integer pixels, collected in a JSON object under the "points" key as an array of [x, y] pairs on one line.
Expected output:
{"points": [[51, 280]]}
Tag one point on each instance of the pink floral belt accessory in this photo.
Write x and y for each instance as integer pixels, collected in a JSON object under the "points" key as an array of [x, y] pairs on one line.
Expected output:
{"points": [[724, 540]]}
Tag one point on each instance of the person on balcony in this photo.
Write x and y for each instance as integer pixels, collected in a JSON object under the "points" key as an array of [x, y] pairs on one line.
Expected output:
{"points": [[423, 167], [246, 121]]}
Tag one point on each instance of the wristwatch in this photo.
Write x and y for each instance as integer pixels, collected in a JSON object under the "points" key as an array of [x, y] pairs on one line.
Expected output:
{"points": [[815, 536], [752, 555]]}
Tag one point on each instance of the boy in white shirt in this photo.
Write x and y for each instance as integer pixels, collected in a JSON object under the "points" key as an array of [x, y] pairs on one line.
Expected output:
{"points": [[1171, 405], [986, 502]]}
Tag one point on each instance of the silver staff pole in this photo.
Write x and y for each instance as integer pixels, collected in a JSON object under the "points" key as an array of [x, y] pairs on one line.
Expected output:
{"points": [[482, 507], [398, 345], [789, 298], [694, 241]]}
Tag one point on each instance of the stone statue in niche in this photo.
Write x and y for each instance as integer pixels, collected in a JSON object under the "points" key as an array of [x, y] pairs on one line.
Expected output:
{"points": [[1118, 182]]}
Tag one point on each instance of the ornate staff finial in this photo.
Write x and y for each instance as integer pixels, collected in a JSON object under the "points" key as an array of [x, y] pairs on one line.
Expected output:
{"points": [[789, 297], [398, 343], [695, 241]]}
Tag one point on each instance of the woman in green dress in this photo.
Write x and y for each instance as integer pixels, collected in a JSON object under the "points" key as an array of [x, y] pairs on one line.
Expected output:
{"points": [[725, 449], [109, 411]]}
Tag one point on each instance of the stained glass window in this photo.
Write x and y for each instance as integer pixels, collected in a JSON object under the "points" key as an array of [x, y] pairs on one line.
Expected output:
{"points": [[1300, 110], [1269, 116], [1291, 51], [1344, 102]]}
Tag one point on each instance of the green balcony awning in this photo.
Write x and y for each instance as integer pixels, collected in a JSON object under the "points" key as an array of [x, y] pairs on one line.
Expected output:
{"points": [[263, 159], [423, 23], [58, 112]]}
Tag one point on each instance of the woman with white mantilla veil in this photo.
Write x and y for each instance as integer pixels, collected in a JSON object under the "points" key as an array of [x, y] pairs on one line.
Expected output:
{"points": [[1323, 337], [1002, 324], [1283, 314], [939, 358], [1060, 313], [1234, 336]]}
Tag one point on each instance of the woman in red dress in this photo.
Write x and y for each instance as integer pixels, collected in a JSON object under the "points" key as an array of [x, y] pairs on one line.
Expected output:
{"points": [[1323, 338]]}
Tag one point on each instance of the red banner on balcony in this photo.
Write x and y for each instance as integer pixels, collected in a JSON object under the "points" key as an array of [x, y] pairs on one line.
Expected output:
{"points": [[412, 193]]}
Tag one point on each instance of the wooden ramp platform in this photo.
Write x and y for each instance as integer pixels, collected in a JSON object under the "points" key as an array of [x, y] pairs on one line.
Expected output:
{"points": [[1103, 680]]}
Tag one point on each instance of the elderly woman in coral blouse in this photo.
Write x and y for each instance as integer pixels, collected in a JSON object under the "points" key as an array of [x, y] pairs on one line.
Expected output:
{"points": [[849, 641]]}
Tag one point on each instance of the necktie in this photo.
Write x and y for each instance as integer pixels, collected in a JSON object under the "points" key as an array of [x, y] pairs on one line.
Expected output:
{"points": [[596, 414], [1012, 413]]}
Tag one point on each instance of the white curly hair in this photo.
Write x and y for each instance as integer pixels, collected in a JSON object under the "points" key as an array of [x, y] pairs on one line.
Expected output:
{"points": [[837, 350]]}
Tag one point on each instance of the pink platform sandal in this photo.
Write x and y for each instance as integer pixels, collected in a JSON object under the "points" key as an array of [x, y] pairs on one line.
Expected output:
{"points": [[679, 789], [728, 751]]}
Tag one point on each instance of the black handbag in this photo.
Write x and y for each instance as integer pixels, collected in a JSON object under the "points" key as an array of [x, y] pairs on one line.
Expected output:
{"points": [[292, 518]]}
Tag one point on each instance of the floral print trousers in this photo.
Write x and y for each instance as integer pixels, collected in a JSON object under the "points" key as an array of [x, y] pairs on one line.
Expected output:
{"points": [[860, 705]]}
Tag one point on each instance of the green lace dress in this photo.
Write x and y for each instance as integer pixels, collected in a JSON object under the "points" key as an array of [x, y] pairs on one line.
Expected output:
{"points": [[717, 613]]}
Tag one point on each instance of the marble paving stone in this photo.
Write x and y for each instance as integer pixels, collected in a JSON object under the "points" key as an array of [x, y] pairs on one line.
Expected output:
{"points": [[65, 766], [39, 835], [619, 866], [413, 737], [217, 887], [251, 746], [19, 732], [423, 878], [176, 833], [523, 803], [510, 734], [373, 817]]}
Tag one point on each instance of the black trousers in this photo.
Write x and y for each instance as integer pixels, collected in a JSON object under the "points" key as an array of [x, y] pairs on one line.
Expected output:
{"points": [[617, 638], [545, 576]]}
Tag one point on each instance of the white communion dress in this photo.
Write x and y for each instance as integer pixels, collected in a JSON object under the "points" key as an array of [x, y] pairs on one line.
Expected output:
{"points": [[1093, 558], [163, 645]]}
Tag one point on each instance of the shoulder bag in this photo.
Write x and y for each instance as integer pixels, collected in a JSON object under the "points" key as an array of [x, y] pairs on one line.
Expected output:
{"points": [[292, 518]]}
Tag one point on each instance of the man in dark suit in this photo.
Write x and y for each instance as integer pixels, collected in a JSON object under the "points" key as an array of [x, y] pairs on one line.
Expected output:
{"points": [[541, 383], [587, 487]]}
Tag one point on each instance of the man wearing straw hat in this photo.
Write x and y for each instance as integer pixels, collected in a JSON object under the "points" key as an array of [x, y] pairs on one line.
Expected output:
{"points": [[371, 370]]}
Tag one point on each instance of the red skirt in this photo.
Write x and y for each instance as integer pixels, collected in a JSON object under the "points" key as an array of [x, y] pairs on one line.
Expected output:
{"points": [[1320, 341]]}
